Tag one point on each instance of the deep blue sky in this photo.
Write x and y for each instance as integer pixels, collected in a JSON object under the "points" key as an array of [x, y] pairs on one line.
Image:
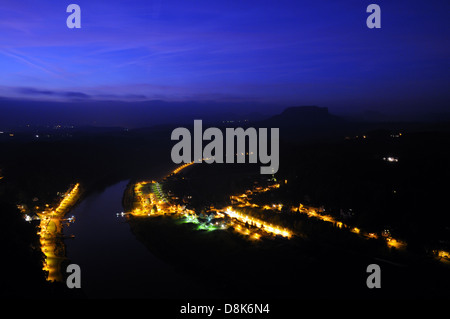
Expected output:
{"points": [[280, 52]]}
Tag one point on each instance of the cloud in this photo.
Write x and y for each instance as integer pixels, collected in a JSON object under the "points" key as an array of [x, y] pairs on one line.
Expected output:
{"points": [[77, 95], [136, 96], [28, 60], [34, 92]]}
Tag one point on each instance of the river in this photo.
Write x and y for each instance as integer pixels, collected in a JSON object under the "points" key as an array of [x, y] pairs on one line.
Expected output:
{"points": [[114, 264]]}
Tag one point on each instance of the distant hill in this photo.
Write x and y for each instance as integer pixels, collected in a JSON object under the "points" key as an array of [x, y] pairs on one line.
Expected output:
{"points": [[313, 123], [309, 116], [303, 123]]}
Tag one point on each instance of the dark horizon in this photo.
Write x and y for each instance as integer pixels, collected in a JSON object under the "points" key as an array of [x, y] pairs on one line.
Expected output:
{"points": [[19, 113], [231, 57]]}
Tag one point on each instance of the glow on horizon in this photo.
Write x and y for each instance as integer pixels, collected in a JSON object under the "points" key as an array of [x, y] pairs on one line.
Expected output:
{"points": [[278, 51]]}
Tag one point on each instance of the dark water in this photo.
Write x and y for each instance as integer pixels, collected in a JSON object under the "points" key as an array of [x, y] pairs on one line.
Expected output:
{"points": [[114, 264]]}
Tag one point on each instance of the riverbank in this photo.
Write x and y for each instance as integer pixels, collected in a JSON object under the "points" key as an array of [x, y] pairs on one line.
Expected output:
{"points": [[327, 261]]}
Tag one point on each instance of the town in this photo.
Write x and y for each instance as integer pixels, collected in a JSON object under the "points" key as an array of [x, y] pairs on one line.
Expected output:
{"points": [[213, 152]]}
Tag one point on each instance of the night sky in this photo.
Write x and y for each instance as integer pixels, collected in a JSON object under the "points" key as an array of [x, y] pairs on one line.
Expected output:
{"points": [[278, 52]]}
